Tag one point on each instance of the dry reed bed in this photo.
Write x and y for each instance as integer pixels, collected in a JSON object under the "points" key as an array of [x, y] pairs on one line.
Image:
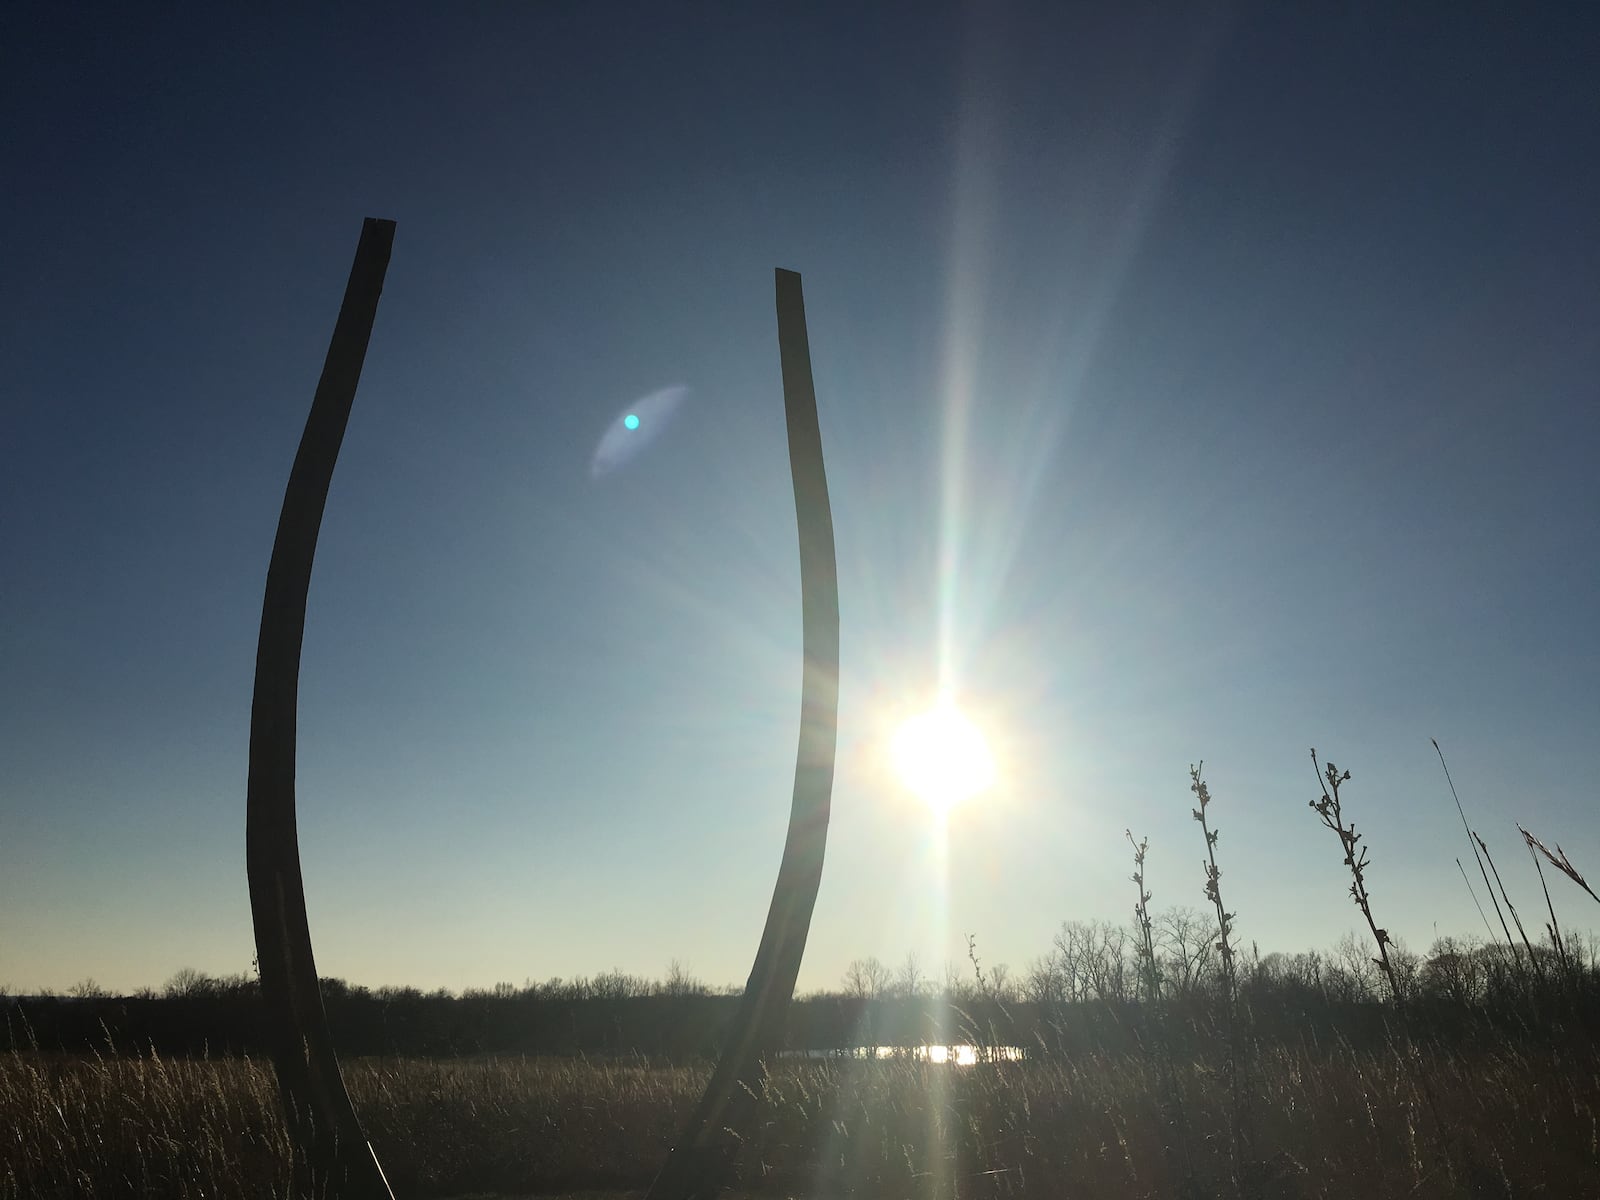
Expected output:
{"points": [[1330, 1124]]}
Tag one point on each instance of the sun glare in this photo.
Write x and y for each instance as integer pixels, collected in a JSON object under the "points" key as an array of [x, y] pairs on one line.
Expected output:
{"points": [[942, 757]]}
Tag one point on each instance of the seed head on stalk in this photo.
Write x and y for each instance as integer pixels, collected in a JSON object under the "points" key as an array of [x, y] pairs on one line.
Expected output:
{"points": [[1328, 807], [1559, 860], [1241, 1122]]}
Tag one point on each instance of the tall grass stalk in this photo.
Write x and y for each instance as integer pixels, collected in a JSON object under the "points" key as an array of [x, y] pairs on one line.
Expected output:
{"points": [[1475, 902], [1150, 971], [1330, 808], [1561, 862], [1533, 959], [1176, 1147], [1239, 1124], [1554, 927], [1511, 947], [984, 1038]]}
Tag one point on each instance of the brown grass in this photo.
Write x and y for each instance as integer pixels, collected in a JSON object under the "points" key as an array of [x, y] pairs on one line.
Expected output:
{"points": [[1331, 1123]]}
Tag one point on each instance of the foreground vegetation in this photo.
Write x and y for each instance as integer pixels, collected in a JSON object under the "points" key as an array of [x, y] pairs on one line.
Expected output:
{"points": [[1156, 1060], [1339, 1122]]}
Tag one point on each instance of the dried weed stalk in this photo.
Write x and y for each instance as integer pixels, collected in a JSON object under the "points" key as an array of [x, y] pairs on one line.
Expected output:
{"points": [[1331, 810], [1239, 1112], [1461, 1161], [1560, 861], [1176, 1147]]}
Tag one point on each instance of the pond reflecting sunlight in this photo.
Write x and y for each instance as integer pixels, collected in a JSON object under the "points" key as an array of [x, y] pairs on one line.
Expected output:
{"points": [[960, 1055]]}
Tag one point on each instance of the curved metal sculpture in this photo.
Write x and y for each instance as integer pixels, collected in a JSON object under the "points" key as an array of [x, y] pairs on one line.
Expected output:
{"points": [[700, 1163], [332, 1157], [331, 1154]]}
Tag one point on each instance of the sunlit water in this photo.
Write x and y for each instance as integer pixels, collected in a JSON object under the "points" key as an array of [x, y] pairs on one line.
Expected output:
{"points": [[957, 1055]]}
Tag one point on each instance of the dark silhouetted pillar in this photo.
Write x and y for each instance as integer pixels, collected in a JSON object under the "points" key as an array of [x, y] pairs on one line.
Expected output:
{"points": [[331, 1154], [698, 1165]]}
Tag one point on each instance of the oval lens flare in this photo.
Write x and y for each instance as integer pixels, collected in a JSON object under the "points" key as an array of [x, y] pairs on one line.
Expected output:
{"points": [[635, 428]]}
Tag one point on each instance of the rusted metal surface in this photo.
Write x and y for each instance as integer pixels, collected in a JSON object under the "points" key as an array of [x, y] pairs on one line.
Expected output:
{"points": [[699, 1164], [332, 1157]]}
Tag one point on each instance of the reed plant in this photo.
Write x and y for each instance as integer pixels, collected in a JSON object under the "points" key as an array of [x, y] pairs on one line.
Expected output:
{"points": [[1563, 961], [1478, 850], [1462, 1164], [1175, 1148], [981, 1033], [1329, 808], [1561, 863], [1240, 1124], [1535, 971]]}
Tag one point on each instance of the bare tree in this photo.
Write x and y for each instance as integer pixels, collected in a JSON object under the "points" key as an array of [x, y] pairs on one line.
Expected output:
{"points": [[1352, 972], [1093, 959], [1070, 951], [866, 978], [909, 981], [1186, 947], [186, 981], [680, 981], [1453, 971], [956, 987], [1046, 981], [1299, 972], [1001, 986]]}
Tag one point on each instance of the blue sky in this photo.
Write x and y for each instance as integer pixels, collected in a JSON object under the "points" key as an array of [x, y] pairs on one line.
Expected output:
{"points": [[1191, 387]]}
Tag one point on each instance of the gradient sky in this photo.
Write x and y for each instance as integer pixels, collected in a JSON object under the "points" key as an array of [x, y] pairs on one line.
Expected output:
{"points": [[1192, 386]]}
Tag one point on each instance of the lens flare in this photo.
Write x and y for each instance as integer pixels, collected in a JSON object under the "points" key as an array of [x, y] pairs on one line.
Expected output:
{"points": [[635, 428]]}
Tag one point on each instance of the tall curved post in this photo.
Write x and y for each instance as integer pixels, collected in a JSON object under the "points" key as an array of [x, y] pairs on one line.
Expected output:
{"points": [[331, 1154], [698, 1165]]}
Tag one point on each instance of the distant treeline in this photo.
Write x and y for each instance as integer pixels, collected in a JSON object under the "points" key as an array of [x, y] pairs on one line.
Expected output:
{"points": [[1088, 996]]}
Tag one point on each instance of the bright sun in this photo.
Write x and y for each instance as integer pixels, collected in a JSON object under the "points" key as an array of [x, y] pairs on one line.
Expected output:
{"points": [[942, 757]]}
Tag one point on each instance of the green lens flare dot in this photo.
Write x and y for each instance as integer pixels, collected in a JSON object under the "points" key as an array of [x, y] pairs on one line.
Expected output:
{"points": [[630, 422]]}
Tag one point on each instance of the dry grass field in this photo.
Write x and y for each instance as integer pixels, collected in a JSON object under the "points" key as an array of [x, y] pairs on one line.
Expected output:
{"points": [[1327, 1123]]}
